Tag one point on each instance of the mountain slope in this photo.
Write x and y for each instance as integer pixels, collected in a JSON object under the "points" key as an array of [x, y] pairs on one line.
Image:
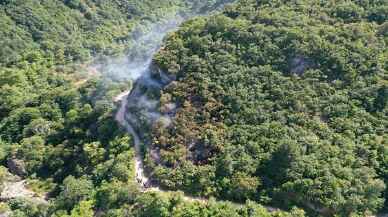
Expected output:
{"points": [[279, 101], [57, 128]]}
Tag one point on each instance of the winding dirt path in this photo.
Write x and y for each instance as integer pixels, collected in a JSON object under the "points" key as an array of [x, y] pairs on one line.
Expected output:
{"points": [[120, 117], [140, 176]]}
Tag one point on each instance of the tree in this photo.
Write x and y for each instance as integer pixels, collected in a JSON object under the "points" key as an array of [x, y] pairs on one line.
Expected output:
{"points": [[73, 191], [84, 209], [115, 194], [33, 153], [94, 152]]}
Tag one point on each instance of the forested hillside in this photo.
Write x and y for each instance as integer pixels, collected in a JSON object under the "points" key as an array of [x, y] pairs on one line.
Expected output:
{"points": [[57, 128], [75, 30], [281, 102]]}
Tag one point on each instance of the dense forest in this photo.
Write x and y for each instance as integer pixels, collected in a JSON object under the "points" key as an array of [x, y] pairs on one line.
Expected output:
{"points": [[64, 31], [276, 104], [57, 127], [280, 102]]}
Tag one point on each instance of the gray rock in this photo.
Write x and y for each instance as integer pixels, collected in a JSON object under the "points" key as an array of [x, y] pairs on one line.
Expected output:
{"points": [[299, 64], [16, 167], [5, 214], [18, 189]]}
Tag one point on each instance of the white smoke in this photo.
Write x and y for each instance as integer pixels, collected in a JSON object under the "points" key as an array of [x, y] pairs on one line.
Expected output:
{"points": [[143, 102], [141, 109], [145, 42]]}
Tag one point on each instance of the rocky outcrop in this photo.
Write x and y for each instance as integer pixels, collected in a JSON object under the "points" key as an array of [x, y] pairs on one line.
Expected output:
{"points": [[18, 189], [14, 190], [16, 167], [14, 187], [6, 214]]}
